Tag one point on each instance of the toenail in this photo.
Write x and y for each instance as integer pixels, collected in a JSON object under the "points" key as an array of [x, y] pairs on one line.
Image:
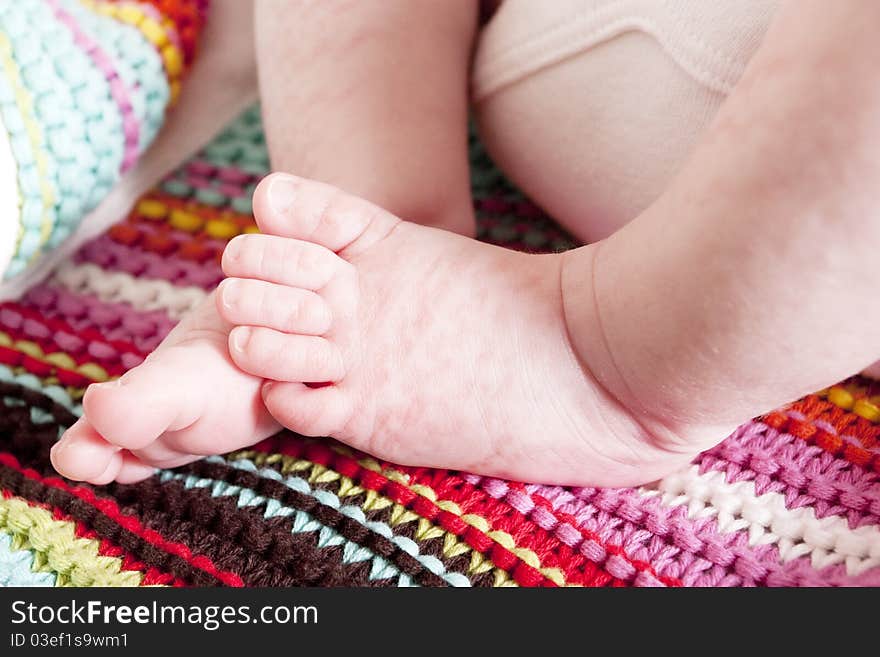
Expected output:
{"points": [[240, 337], [282, 192], [104, 385], [59, 448], [228, 292], [232, 250]]}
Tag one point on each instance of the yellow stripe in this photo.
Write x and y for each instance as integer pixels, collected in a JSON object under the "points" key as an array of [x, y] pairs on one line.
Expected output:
{"points": [[57, 548], [853, 397], [555, 575], [55, 359], [156, 32], [426, 530], [25, 105]]}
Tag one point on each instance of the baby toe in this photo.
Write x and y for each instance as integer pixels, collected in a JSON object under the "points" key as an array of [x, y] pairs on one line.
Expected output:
{"points": [[289, 206], [132, 469], [286, 309], [323, 411], [281, 260], [82, 454], [270, 354], [110, 472]]}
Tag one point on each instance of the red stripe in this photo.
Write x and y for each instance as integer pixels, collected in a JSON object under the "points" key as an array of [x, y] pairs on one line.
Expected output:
{"points": [[108, 507], [24, 323], [151, 576], [522, 573], [815, 410], [552, 552], [611, 548]]}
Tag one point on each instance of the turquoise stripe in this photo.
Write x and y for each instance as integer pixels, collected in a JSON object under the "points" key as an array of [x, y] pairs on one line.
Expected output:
{"points": [[304, 522], [137, 62], [16, 566], [56, 393]]}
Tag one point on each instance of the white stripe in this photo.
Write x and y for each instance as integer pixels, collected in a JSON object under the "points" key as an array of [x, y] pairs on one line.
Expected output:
{"points": [[142, 293], [795, 532]]}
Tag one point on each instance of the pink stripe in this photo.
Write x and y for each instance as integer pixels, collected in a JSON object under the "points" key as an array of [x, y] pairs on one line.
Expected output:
{"points": [[649, 531], [805, 475], [112, 256], [692, 550], [115, 321], [130, 124]]}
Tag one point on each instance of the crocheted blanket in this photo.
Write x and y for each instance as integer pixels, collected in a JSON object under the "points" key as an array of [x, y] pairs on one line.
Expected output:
{"points": [[790, 499]]}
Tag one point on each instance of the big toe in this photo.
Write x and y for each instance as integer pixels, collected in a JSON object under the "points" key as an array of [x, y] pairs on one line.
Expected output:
{"points": [[289, 206], [82, 454], [133, 411]]}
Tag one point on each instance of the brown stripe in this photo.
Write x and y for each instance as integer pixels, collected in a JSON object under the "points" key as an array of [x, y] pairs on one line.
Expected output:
{"points": [[264, 552], [433, 546], [103, 525]]}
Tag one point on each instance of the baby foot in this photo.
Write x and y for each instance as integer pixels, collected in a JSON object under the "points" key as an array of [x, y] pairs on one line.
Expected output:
{"points": [[187, 400], [430, 348]]}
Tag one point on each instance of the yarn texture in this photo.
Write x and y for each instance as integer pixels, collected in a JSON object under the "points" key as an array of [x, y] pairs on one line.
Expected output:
{"points": [[789, 499]]}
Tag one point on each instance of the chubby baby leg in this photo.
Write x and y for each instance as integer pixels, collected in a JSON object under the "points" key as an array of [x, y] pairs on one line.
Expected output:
{"points": [[372, 97], [593, 106]]}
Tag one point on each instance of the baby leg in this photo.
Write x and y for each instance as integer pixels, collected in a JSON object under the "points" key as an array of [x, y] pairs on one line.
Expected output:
{"points": [[372, 97], [593, 106]]}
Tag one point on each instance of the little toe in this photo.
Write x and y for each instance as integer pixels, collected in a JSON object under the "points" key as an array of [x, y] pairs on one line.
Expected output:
{"points": [[322, 411], [82, 454], [132, 469], [281, 260], [270, 354], [286, 309], [110, 472]]}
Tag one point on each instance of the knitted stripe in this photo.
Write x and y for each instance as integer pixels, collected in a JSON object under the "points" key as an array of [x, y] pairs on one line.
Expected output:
{"points": [[241, 477], [806, 475], [116, 287], [139, 65], [108, 254], [193, 217], [115, 321], [82, 504], [564, 528], [55, 335], [77, 561], [323, 566], [432, 538], [44, 360], [393, 549], [767, 519], [34, 394], [16, 566], [476, 531], [857, 395], [160, 34], [118, 90], [504, 524], [274, 551], [828, 426]]}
